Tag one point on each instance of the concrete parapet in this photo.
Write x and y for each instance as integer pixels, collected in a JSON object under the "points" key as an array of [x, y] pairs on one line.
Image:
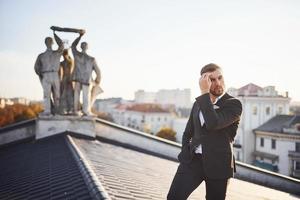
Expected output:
{"points": [[18, 131], [48, 126]]}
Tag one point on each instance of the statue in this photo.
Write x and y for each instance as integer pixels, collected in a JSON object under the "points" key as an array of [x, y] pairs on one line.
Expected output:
{"points": [[46, 67], [51, 72], [66, 85], [82, 76]]}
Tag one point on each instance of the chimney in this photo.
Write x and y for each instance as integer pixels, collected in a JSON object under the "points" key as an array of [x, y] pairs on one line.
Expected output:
{"points": [[286, 94]]}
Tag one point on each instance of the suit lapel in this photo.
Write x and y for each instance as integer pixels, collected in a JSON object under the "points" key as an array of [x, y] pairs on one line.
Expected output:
{"points": [[196, 116], [222, 100]]}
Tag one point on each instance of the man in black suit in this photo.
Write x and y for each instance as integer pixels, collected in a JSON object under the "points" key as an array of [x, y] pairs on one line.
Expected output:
{"points": [[207, 152]]}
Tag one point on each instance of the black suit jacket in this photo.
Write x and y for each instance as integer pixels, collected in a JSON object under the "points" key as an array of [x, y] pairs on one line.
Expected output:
{"points": [[215, 136]]}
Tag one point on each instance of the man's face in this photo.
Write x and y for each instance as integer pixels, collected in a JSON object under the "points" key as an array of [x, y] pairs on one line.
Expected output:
{"points": [[217, 83]]}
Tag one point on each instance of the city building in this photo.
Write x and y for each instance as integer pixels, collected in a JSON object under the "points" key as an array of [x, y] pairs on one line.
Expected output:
{"points": [[148, 118], [20, 100], [259, 105], [141, 96], [106, 105], [178, 98], [4, 102], [277, 146]]}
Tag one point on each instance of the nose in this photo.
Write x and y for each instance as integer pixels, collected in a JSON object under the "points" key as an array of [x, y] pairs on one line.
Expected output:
{"points": [[218, 82]]}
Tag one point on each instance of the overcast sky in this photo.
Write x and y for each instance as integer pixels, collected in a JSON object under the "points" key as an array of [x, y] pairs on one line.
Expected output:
{"points": [[157, 44]]}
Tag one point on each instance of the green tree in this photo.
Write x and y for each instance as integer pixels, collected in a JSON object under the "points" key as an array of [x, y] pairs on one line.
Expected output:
{"points": [[167, 133]]}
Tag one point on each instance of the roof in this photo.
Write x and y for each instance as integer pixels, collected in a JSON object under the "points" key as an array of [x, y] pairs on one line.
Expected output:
{"points": [[69, 166], [42, 169], [251, 88], [278, 123], [129, 174], [266, 155], [295, 120], [147, 107]]}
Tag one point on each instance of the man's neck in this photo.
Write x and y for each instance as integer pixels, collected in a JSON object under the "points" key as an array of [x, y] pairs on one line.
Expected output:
{"points": [[214, 98]]}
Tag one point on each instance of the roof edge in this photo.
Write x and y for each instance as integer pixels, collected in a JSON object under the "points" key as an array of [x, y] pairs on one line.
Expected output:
{"points": [[95, 187], [140, 133], [17, 125]]}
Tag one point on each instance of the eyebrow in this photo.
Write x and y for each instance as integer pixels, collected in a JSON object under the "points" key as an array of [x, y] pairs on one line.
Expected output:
{"points": [[219, 77]]}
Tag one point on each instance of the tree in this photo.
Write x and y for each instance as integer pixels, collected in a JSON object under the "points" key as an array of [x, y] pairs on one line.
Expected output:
{"points": [[18, 112], [167, 133]]}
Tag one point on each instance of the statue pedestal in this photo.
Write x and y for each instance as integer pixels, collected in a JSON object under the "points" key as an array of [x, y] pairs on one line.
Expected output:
{"points": [[52, 125]]}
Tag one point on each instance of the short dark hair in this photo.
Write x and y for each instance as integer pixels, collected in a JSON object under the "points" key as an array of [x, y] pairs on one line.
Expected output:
{"points": [[209, 68]]}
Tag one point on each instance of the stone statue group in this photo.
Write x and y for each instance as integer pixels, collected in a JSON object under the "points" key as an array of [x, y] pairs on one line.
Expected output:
{"points": [[64, 81]]}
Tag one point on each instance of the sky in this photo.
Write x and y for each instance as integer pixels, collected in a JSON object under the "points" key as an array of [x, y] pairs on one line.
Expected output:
{"points": [[157, 44]]}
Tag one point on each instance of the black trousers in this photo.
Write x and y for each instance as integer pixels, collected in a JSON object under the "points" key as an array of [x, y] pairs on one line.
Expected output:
{"points": [[189, 176]]}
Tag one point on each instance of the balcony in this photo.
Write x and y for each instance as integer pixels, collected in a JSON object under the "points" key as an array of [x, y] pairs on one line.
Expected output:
{"points": [[269, 156], [265, 165], [294, 155]]}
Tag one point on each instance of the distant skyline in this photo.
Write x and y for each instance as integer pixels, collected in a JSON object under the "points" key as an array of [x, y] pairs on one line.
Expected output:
{"points": [[153, 45]]}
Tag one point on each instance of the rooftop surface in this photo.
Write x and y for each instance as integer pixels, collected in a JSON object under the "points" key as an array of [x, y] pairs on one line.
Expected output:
{"points": [[42, 169], [128, 174], [47, 169]]}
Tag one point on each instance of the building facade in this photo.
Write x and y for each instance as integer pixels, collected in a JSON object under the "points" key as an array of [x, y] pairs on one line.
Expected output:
{"points": [[277, 145], [10, 101], [149, 118], [259, 105], [178, 98]]}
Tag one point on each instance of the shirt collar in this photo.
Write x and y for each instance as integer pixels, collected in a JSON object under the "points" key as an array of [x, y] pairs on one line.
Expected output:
{"points": [[218, 98]]}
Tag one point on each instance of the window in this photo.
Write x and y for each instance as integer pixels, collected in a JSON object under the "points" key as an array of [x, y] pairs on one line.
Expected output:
{"points": [[268, 110], [143, 119], [254, 110], [279, 110], [297, 148], [273, 144], [297, 165], [262, 142]]}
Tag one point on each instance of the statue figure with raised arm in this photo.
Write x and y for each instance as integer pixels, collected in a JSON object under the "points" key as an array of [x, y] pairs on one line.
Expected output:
{"points": [[82, 76], [46, 67], [66, 85]]}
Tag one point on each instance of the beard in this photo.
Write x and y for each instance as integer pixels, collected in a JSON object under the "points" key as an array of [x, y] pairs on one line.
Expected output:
{"points": [[217, 91]]}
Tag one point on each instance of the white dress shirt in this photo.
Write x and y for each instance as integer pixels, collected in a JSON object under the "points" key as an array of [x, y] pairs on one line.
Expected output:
{"points": [[202, 122]]}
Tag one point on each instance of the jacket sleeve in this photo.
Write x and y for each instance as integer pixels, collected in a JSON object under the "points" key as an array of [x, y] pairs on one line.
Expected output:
{"points": [[229, 113], [189, 130]]}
